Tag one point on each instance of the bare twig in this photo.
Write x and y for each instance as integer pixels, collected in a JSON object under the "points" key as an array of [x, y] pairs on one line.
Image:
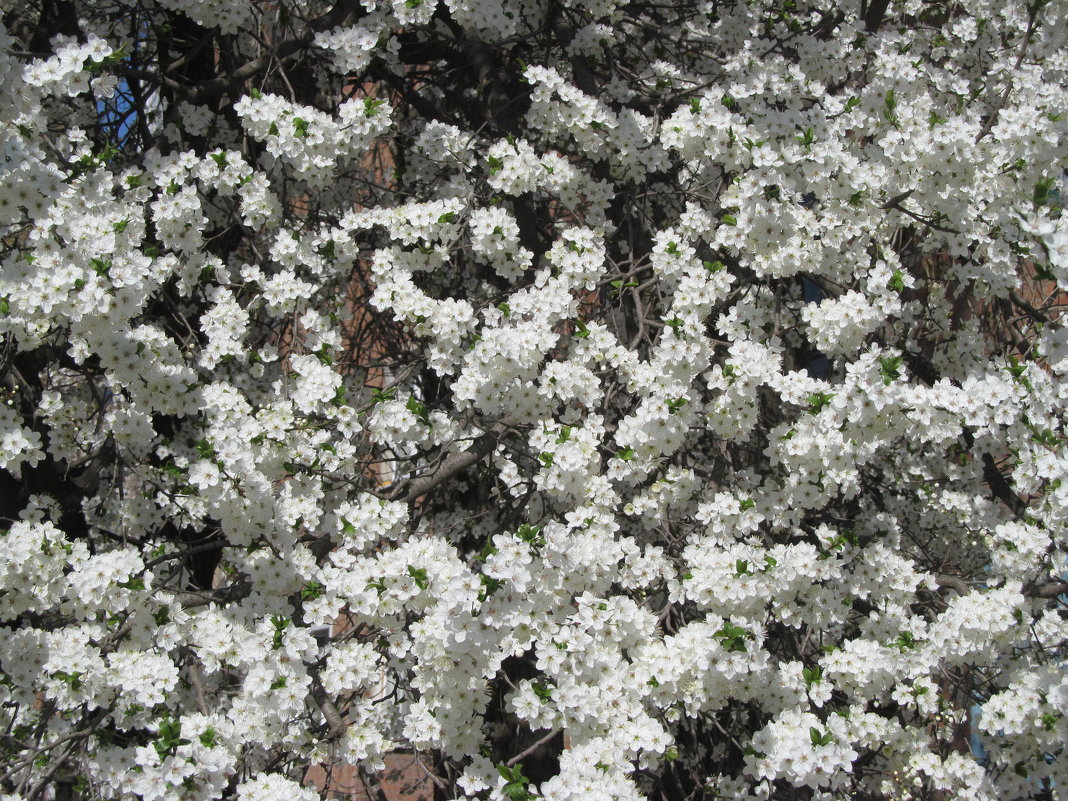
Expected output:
{"points": [[531, 748]]}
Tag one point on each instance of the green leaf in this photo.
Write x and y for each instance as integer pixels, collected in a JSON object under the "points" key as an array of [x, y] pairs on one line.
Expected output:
{"points": [[891, 368], [170, 729], [419, 574], [675, 323], [516, 787], [1018, 371], [490, 585], [328, 250], [380, 396], [732, 637], [819, 738], [323, 355], [280, 625], [817, 400], [1041, 194], [1044, 273], [72, 680], [889, 106], [905, 641], [530, 534], [675, 404], [419, 409]]}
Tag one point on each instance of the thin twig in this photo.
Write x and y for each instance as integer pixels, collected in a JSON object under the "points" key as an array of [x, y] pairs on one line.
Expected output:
{"points": [[531, 749]]}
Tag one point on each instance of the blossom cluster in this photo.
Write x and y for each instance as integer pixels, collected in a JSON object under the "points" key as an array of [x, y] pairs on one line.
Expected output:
{"points": [[600, 401], [307, 140]]}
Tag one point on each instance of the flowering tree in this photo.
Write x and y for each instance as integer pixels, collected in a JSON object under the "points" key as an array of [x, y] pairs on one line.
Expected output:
{"points": [[598, 400]]}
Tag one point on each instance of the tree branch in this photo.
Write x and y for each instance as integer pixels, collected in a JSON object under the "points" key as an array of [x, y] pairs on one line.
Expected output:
{"points": [[338, 15], [531, 748], [458, 462]]}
